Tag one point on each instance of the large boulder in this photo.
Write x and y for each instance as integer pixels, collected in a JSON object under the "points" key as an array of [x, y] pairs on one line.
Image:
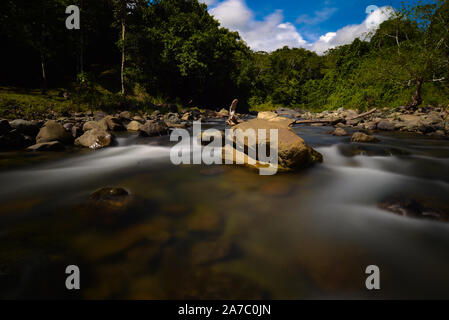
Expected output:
{"points": [[94, 139], [53, 131], [25, 127], [293, 153], [153, 128]]}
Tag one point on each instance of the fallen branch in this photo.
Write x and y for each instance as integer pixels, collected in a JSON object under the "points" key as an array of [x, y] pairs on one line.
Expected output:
{"points": [[362, 115]]}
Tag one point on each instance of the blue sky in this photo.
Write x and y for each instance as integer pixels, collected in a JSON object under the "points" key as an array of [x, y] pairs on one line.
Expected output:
{"points": [[314, 24]]}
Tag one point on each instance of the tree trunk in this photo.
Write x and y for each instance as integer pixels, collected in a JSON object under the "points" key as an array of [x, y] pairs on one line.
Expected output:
{"points": [[416, 99], [122, 73], [44, 74]]}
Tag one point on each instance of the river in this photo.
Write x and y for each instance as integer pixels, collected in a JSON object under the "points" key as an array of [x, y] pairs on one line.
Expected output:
{"points": [[196, 231]]}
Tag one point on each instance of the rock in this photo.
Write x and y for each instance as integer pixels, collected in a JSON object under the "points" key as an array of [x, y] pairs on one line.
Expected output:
{"points": [[53, 131], [385, 125], [25, 127], [340, 132], [153, 128], [99, 115], [172, 118], [223, 113], [176, 125], [288, 113], [267, 115], [100, 125], [77, 131], [187, 117], [4, 127], [12, 140], [409, 207], [94, 139], [47, 146], [114, 124], [363, 138], [138, 119], [437, 134], [109, 204], [293, 153], [125, 115], [134, 126]]}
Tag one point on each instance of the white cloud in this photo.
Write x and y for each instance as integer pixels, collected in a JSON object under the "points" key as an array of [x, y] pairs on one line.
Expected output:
{"points": [[273, 32], [347, 34]]}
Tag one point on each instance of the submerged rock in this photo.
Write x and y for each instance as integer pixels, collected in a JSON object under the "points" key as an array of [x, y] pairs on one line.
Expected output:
{"points": [[340, 132], [364, 138], [94, 139], [47, 146], [413, 208]]}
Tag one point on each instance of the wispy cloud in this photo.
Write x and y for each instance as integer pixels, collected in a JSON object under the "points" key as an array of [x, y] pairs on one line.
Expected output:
{"points": [[318, 17]]}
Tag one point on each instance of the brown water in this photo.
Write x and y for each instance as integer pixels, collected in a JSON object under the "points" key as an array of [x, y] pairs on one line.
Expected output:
{"points": [[223, 231]]}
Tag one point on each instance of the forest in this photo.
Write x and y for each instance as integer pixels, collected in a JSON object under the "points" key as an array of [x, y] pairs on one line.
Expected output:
{"points": [[141, 53]]}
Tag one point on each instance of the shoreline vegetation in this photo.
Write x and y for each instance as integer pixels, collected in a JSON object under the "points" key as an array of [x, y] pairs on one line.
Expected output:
{"points": [[137, 56]]}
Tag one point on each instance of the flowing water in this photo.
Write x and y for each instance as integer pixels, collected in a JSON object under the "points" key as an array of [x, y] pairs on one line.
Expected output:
{"points": [[222, 231]]}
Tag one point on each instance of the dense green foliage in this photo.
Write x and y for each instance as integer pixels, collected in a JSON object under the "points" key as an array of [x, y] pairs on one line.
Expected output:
{"points": [[147, 52]]}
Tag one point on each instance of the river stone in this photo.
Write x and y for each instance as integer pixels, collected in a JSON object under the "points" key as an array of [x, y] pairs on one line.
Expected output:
{"points": [[293, 153], [99, 115], [47, 146], [100, 125], [4, 127], [413, 208], [94, 139], [113, 124], [187, 117], [364, 138], [109, 200], [288, 112], [153, 128], [267, 115], [25, 127], [385, 125], [53, 131], [125, 115], [340, 132], [12, 140], [134, 126]]}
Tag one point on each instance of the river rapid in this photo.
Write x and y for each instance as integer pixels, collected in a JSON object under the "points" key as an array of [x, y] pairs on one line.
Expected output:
{"points": [[197, 231]]}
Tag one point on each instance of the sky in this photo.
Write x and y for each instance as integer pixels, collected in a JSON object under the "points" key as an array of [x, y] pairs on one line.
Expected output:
{"points": [[318, 25]]}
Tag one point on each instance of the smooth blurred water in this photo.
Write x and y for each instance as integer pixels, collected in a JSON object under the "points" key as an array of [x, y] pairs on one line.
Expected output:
{"points": [[224, 231]]}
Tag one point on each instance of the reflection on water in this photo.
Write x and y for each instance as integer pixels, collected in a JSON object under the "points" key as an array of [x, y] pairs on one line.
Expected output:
{"points": [[222, 231]]}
